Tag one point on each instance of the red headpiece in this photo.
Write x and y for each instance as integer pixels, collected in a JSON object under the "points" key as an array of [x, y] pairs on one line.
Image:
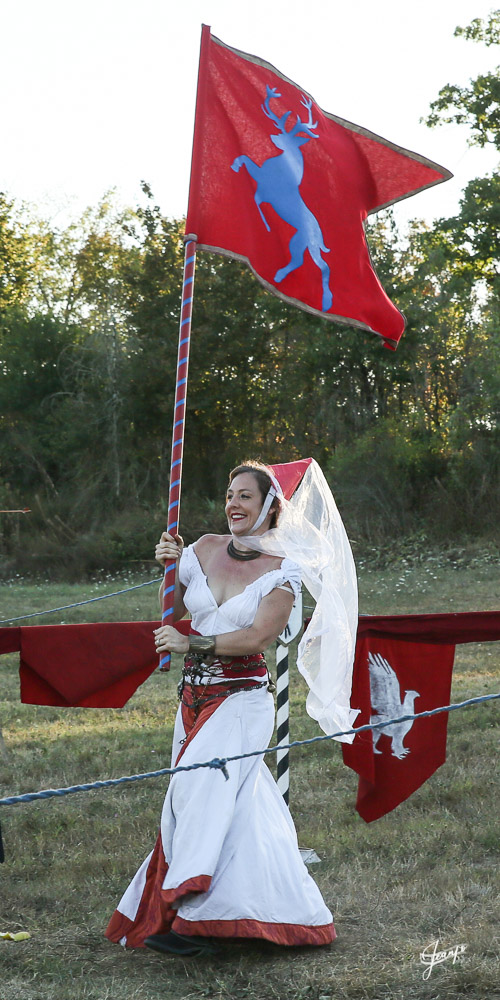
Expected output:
{"points": [[289, 475]]}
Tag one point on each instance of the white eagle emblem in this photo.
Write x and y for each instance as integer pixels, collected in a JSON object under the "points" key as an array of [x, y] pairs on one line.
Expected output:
{"points": [[386, 702]]}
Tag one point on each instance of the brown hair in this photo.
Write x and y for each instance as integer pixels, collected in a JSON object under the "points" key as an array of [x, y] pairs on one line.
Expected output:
{"points": [[264, 482]]}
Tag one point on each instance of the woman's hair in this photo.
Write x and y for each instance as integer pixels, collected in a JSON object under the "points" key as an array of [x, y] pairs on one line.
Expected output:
{"points": [[264, 482]]}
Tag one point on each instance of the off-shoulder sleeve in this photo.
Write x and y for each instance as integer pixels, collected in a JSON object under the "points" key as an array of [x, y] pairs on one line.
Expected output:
{"points": [[289, 572], [187, 565]]}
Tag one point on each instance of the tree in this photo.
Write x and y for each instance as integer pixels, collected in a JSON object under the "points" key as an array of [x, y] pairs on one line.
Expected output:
{"points": [[88, 345], [15, 256], [477, 105]]}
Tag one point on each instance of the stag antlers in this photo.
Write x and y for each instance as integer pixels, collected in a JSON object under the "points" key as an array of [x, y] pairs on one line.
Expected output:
{"points": [[300, 126]]}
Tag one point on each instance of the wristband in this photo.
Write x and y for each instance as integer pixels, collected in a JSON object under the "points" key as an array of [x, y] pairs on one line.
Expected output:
{"points": [[202, 644]]}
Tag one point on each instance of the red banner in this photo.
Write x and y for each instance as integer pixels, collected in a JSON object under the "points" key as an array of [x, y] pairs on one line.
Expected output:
{"points": [[403, 666], [393, 678], [287, 187], [96, 665]]}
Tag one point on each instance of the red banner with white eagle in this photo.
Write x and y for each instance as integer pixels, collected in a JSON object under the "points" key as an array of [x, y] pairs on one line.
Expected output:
{"points": [[393, 678], [286, 187], [403, 666]]}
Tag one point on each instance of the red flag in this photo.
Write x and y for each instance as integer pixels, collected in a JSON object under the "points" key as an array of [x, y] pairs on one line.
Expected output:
{"points": [[287, 187], [393, 678]]}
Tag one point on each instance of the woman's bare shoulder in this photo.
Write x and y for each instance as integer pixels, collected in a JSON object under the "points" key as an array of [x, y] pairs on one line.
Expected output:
{"points": [[206, 542]]}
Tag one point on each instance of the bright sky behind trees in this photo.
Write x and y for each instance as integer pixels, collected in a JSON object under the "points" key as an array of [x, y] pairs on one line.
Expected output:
{"points": [[100, 94]]}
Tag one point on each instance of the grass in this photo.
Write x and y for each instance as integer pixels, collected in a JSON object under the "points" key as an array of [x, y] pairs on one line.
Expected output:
{"points": [[424, 872]]}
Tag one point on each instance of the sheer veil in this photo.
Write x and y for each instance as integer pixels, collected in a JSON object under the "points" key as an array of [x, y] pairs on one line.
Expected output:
{"points": [[310, 531]]}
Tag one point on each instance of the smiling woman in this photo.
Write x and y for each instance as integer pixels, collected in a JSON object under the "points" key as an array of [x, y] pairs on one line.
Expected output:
{"points": [[226, 863]]}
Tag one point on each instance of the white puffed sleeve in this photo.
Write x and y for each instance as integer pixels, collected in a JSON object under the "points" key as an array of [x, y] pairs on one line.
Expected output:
{"points": [[188, 565], [289, 572]]}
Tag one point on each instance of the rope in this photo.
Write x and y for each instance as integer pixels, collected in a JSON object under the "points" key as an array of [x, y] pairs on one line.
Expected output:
{"points": [[79, 604], [220, 763], [34, 614]]}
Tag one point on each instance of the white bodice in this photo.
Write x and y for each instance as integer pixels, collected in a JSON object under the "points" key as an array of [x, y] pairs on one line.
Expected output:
{"points": [[237, 612]]}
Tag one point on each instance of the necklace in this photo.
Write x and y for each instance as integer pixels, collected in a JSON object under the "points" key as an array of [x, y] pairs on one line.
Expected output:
{"points": [[241, 556]]}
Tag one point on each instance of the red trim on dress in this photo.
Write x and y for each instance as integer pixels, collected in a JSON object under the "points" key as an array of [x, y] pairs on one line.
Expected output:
{"points": [[200, 883], [192, 718], [156, 913], [119, 926], [284, 934], [289, 935]]}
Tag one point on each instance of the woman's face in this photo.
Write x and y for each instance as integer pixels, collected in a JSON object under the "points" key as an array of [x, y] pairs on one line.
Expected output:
{"points": [[244, 504]]}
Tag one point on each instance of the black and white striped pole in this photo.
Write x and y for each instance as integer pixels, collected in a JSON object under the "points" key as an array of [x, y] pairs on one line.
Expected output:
{"points": [[290, 632]]}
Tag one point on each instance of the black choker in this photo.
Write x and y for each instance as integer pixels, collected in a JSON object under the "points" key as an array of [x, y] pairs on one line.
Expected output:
{"points": [[242, 556]]}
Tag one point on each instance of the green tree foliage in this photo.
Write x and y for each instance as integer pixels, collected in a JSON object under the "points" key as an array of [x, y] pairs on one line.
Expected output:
{"points": [[478, 105], [88, 343], [18, 256]]}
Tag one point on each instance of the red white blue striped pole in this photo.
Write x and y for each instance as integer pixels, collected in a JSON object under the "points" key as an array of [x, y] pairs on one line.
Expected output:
{"points": [[174, 496]]}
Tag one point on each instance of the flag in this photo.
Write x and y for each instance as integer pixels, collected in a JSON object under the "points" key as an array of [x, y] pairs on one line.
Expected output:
{"points": [[287, 187], [393, 678]]}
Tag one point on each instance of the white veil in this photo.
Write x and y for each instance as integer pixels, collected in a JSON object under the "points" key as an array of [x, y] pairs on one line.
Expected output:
{"points": [[310, 531]]}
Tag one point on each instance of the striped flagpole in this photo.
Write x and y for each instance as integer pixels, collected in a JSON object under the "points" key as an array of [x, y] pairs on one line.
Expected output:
{"points": [[282, 720], [283, 697], [174, 496]]}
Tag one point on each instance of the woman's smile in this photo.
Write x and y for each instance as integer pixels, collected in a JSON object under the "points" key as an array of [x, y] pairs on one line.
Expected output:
{"points": [[235, 517]]}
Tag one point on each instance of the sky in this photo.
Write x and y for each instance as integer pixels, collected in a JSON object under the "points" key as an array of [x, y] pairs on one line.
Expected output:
{"points": [[100, 94]]}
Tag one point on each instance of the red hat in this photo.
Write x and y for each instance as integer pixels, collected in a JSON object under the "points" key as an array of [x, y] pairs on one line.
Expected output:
{"points": [[289, 475]]}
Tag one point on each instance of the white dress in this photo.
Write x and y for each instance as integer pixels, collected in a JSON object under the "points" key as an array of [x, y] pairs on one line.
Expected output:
{"points": [[226, 862]]}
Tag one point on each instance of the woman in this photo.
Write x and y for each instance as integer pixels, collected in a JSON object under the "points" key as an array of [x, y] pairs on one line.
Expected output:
{"points": [[226, 863]]}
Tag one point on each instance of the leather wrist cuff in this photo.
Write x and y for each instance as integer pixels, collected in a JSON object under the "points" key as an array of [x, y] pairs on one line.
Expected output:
{"points": [[202, 644]]}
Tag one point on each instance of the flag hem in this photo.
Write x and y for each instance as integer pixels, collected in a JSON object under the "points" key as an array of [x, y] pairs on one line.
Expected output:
{"points": [[334, 318]]}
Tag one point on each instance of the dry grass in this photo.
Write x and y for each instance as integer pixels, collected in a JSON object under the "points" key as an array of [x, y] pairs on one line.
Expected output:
{"points": [[426, 871]]}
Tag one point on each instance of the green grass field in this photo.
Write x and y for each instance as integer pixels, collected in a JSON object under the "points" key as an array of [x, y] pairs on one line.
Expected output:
{"points": [[425, 872]]}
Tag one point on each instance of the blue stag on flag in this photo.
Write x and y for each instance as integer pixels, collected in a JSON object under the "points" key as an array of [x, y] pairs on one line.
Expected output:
{"points": [[278, 183]]}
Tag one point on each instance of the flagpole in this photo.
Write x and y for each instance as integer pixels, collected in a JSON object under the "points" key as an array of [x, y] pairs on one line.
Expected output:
{"points": [[178, 425]]}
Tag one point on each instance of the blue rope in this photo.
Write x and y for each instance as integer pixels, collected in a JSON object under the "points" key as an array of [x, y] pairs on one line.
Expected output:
{"points": [[79, 604], [220, 763]]}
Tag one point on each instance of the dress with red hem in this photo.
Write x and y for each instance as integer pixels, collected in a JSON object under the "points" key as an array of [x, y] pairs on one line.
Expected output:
{"points": [[226, 862]]}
